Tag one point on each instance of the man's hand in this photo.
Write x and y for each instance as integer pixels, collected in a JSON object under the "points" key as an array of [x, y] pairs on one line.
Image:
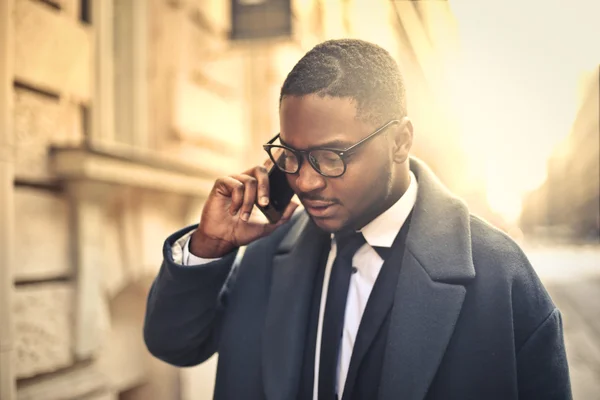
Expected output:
{"points": [[226, 221]]}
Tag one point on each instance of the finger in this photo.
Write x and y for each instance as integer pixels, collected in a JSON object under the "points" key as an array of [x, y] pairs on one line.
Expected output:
{"points": [[287, 215], [262, 178], [233, 188], [250, 184], [261, 226]]}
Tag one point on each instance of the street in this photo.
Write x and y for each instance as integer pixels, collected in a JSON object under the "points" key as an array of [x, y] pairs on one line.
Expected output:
{"points": [[572, 276]]}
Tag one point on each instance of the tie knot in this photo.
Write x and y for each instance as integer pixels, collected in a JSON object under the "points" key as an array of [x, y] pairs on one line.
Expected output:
{"points": [[349, 243]]}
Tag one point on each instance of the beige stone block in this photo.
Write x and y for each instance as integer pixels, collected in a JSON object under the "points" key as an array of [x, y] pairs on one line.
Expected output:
{"points": [[130, 233], [162, 382], [52, 51], [87, 199], [165, 51], [193, 211], [198, 382], [209, 76], [42, 228], [206, 43], [371, 21], [216, 163], [44, 328], [161, 215], [114, 277], [77, 164], [223, 125], [74, 384], [124, 358], [308, 23], [40, 121], [69, 7], [102, 115], [102, 396], [217, 13]]}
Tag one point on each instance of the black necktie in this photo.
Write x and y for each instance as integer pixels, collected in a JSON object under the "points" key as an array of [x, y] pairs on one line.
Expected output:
{"points": [[335, 308], [383, 252]]}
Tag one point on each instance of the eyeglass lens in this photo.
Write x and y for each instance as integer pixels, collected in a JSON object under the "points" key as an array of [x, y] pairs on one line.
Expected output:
{"points": [[324, 161]]}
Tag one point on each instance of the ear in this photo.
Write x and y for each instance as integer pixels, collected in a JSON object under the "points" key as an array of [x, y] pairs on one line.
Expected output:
{"points": [[402, 141]]}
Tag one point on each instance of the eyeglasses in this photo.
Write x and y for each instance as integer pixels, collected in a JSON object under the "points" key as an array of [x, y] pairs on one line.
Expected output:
{"points": [[328, 162]]}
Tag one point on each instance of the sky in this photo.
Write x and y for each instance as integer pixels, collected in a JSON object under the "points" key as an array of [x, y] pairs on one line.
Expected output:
{"points": [[520, 67]]}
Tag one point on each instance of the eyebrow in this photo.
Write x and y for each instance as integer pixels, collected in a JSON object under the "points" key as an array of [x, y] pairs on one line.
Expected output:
{"points": [[334, 144]]}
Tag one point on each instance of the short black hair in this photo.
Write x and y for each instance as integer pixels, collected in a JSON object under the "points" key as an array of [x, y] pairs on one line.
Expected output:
{"points": [[362, 71]]}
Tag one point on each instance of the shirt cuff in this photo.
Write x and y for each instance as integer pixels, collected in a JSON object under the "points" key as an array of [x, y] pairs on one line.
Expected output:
{"points": [[182, 254]]}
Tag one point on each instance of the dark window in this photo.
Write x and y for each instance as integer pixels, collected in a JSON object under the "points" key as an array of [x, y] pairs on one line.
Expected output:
{"points": [[85, 12]]}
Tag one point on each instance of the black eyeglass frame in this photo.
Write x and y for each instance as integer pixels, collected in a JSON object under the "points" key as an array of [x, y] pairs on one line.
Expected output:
{"points": [[305, 154]]}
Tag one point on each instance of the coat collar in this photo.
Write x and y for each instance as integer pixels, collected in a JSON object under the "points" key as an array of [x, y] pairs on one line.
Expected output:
{"points": [[427, 301], [429, 294], [440, 233]]}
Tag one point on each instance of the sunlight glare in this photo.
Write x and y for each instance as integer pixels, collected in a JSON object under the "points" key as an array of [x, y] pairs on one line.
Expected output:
{"points": [[517, 90]]}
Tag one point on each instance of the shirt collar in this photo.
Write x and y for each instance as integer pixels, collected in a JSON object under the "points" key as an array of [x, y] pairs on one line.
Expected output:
{"points": [[382, 231]]}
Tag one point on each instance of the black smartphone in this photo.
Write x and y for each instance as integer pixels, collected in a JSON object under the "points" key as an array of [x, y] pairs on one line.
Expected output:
{"points": [[280, 194]]}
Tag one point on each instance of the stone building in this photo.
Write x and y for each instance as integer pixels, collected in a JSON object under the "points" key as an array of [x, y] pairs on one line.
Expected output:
{"points": [[115, 118], [567, 205]]}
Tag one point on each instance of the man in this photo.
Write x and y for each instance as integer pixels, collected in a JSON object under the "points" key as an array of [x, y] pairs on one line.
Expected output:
{"points": [[383, 287]]}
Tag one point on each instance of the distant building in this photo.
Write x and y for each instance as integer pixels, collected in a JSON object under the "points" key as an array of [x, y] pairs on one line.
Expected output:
{"points": [[567, 205]]}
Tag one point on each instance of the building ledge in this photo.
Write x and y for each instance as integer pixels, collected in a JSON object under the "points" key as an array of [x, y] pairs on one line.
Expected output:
{"points": [[131, 168]]}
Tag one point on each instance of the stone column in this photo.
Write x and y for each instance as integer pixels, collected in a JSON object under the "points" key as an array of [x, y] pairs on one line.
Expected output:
{"points": [[7, 373], [258, 68], [103, 116], [87, 201], [131, 77], [139, 47]]}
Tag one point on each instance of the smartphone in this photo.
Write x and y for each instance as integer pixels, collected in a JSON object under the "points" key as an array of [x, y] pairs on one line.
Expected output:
{"points": [[280, 193]]}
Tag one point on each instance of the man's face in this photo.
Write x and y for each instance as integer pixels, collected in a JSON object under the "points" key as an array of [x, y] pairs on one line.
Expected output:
{"points": [[348, 201]]}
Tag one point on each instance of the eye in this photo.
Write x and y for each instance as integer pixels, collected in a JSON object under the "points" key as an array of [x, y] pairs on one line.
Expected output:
{"points": [[313, 159]]}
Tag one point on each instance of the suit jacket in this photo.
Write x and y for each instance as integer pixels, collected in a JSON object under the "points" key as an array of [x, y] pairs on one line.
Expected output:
{"points": [[470, 318]]}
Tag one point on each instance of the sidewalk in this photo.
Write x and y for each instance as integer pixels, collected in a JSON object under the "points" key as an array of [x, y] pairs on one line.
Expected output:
{"points": [[571, 273]]}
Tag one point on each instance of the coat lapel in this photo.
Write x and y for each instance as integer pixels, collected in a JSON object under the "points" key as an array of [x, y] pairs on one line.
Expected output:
{"points": [[294, 268], [430, 290], [423, 319]]}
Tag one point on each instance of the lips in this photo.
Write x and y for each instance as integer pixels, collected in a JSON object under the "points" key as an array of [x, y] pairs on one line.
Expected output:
{"points": [[319, 209]]}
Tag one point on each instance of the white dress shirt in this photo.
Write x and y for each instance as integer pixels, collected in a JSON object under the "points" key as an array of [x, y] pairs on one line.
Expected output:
{"points": [[380, 232]]}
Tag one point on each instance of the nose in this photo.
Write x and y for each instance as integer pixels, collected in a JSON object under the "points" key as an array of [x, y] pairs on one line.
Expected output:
{"points": [[309, 180]]}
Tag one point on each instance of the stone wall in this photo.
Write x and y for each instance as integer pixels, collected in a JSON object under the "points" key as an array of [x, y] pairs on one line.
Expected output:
{"points": [[90, 227], [52, 89], [43, 314]]}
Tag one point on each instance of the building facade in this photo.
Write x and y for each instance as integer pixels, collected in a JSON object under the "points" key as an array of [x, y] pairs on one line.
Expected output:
{"points": [[115, 118], [567, 205]]}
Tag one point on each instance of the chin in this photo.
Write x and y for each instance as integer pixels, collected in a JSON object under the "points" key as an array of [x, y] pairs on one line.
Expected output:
{"points": [[329, 225]]}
